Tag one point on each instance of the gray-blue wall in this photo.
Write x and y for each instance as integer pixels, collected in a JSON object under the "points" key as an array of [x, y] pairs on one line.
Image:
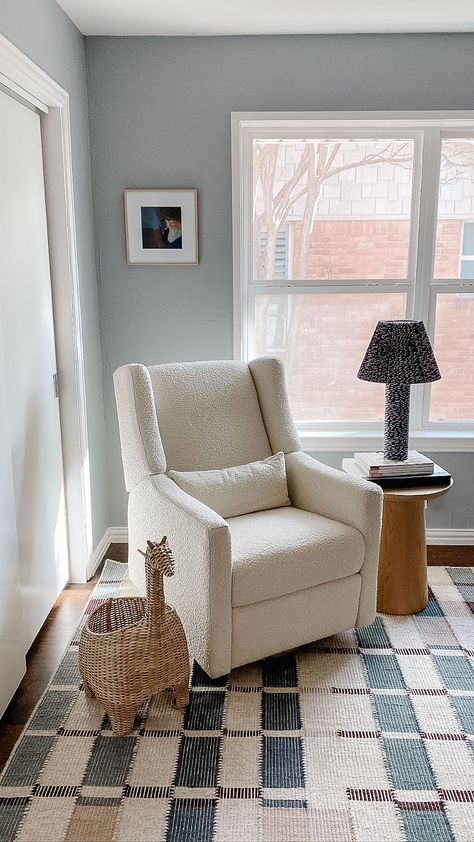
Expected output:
{"points": [[46, 35], [160, 116]]}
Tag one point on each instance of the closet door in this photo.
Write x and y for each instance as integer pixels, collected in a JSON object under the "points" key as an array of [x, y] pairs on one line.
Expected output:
{"points": [[27, 338], [12, 643]]}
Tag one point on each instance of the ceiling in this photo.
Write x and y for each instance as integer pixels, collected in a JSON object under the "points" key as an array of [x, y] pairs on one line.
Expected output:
{"points": [[268, 17]]}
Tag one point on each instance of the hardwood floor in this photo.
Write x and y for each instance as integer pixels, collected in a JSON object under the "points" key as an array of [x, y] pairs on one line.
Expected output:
{"points": [[42, 659], [118, 552], [46, 651], [453, 556]]}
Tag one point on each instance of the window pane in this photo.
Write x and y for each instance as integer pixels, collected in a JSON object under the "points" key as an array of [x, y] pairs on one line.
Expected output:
{"points": [[468, 239], [452, 397], [322, 340], [467, 269], [455, 231], [344, 204]]}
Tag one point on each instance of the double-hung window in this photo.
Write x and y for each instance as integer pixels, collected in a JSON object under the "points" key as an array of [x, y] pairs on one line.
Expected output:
{"points": [[340, 222]]}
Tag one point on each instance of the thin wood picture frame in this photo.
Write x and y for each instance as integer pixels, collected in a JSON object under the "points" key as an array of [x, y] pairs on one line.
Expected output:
{"points": [[161, 226]]}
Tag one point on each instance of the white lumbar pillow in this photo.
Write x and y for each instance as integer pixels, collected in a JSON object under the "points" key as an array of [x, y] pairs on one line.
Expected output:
{"points": [[239, 490]]}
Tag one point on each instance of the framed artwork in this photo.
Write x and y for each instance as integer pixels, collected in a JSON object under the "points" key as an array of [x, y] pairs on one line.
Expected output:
{"points": [[161, 227]]}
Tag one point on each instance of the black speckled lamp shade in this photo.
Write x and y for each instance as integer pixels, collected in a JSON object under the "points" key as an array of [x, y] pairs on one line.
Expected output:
{"points": [[399, 354]]}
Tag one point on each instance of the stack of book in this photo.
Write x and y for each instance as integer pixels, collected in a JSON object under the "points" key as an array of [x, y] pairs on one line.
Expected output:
{"points": [[416, 470]]}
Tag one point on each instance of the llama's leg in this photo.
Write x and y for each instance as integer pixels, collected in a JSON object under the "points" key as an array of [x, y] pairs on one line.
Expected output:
{"points": [[88, 691], [181, 689], [180, 696], [122, 718]]}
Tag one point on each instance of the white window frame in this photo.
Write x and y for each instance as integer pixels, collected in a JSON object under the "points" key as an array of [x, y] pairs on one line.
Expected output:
{"points": [[427, 129]]}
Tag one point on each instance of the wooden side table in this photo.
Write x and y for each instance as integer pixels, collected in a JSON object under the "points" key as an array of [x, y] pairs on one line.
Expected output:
{"points": [[402, 579]]}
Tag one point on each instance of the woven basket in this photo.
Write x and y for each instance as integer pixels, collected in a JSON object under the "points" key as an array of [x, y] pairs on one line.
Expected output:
{"points": [[131, 648]]}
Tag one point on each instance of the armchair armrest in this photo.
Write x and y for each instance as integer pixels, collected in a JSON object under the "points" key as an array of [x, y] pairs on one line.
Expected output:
{"points": [[318, 488], [200, 590]]}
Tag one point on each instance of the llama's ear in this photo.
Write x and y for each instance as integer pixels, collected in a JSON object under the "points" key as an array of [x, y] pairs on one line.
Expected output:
{"points": [[150, 544], [163, 541]]}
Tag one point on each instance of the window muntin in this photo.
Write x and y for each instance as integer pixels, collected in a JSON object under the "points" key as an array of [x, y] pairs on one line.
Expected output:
{"points": [[347, 203]]}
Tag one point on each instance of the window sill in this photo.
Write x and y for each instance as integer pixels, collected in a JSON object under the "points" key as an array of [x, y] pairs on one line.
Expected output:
{"points": [[348, 441]]}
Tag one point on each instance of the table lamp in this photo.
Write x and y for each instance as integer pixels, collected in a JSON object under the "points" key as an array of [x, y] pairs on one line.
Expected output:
{"points": [[399, 354]]}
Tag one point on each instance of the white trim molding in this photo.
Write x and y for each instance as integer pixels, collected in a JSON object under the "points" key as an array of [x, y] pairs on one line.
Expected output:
{"points": [[450, 537], [112, 535], [98, 554], [349, 441], [118, 534], [23, 79], [438, 537]]}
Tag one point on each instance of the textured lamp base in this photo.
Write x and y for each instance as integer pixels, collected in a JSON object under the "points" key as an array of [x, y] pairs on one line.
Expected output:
{"points": [[397, 421]]}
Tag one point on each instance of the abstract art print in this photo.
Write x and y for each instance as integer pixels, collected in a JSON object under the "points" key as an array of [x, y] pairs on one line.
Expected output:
{"points": [[161, 227]]}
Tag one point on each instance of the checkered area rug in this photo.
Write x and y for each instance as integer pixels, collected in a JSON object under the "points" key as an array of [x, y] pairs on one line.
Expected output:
{"points": [[367, 735]]}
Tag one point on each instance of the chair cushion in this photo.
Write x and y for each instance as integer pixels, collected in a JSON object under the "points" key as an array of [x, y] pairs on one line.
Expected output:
{"points": [[239, 490], [285, 550]]}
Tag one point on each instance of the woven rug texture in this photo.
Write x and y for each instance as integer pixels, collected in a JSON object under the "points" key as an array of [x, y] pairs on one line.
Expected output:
{"points": [[366, 735]]}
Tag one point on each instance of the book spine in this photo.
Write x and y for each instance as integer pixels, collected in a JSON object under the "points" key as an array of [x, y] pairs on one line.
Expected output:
{"points": [[394, 470], [411, 481], [385, 471]]}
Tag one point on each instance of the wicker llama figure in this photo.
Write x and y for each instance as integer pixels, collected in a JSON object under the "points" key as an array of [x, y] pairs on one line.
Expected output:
{"points": [[132, 648]]}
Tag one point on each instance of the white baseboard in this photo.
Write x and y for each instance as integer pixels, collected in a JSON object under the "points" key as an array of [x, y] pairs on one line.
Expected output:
{"points": [[117, 534], [97, 555], [435, 537], [112, 535], [450, 537]]}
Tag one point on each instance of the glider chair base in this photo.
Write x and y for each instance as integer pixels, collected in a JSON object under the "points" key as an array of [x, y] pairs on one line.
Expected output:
{"points": [[280, 625]]}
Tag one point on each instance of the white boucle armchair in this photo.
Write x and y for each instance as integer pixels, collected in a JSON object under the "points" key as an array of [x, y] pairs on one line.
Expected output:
{"points": [[257, 584]]}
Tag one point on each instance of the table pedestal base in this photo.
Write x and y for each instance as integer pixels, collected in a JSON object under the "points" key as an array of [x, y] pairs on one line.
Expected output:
{"points": [[402, 580]]}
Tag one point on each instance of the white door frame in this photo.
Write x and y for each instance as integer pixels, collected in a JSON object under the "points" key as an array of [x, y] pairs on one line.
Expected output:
{"points": [[26, 81]]}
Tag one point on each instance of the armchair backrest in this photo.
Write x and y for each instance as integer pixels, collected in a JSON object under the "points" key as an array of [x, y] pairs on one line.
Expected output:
{"points": [[201, 415]]}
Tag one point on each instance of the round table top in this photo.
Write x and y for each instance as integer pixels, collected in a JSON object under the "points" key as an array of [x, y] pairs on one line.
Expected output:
{"points": [[420, 493]]}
